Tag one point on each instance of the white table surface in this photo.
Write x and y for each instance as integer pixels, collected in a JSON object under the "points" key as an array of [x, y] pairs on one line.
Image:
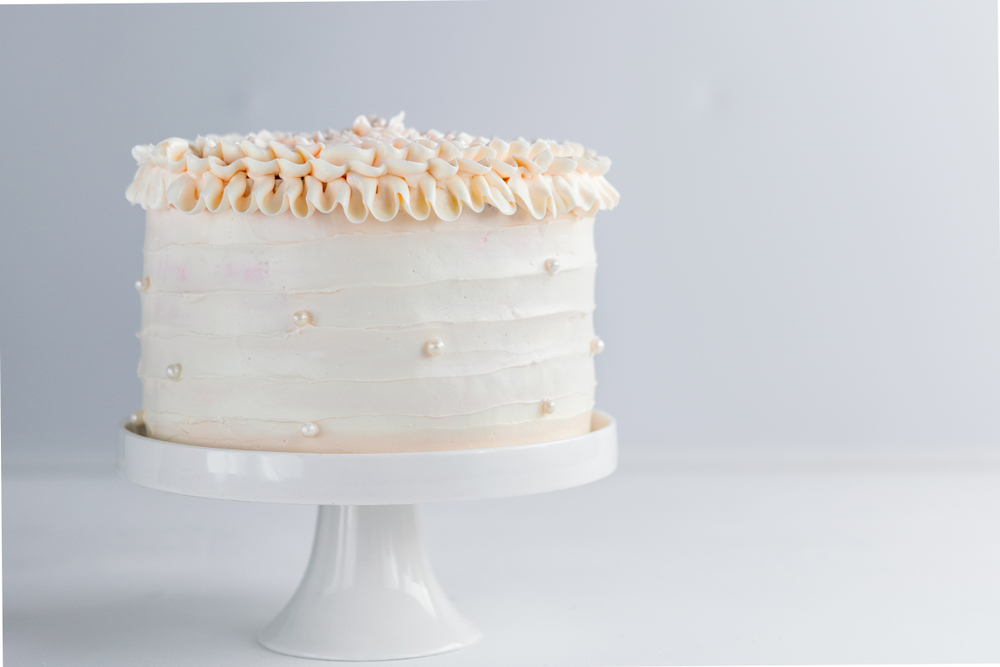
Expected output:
{"points": [[669, 561]]}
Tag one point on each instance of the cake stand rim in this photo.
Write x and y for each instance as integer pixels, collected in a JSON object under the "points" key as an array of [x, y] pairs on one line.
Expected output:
{"points": [[369, 478]]}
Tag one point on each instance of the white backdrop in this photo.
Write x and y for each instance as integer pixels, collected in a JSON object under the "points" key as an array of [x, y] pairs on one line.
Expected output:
{"points": [[804, 259]]}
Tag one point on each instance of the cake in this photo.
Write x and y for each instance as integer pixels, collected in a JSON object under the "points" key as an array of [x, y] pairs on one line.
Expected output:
{"points": [[372, 290]]}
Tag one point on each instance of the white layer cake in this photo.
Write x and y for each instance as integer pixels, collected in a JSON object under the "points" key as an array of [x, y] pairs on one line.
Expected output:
{"points": [[451, 318]]}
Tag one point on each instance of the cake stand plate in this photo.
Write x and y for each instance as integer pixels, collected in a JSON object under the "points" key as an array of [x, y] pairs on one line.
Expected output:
{"points": [[368, 592]]}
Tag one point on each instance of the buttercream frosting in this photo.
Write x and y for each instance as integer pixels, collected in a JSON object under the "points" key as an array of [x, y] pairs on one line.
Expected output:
{"points": [[375, 167], [313, 335]]}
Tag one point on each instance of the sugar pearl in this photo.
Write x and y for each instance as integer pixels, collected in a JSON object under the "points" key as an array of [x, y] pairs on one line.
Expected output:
{"points": [[135, 419], [597, 346], [552, 265], [142, 284], [310, 430], [174, 371], [548, 406], [301, 318], [434, 347]]}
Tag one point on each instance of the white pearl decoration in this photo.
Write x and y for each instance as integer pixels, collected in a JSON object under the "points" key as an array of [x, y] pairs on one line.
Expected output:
{"points": [[301, 318], [596, 346], [552, 265], [434, 347], [135, 419], [310, 430], [174, 371], [548, 406], [142, 284]]}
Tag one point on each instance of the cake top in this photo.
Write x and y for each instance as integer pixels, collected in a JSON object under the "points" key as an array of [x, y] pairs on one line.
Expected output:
{"points": [[374, 167]]}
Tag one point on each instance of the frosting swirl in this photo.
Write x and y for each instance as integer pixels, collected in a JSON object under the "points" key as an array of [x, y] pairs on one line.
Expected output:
{"points": [[375, 167]]}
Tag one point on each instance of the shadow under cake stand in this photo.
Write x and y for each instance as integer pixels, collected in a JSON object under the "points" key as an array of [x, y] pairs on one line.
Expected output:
{"points": [[368, 592]]}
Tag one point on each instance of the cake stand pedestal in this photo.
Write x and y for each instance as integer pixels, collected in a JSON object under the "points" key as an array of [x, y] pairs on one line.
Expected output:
{"points": [[368, 592]]}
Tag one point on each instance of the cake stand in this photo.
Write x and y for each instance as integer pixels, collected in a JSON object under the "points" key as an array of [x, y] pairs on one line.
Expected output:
{"points": [[368, 592]]}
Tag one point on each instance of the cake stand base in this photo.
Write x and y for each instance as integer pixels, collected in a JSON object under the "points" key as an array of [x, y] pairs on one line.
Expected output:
{"points": [[368, 592]]}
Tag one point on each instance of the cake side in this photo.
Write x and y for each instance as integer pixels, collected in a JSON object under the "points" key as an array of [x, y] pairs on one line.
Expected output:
{"points": [[319, 335]]}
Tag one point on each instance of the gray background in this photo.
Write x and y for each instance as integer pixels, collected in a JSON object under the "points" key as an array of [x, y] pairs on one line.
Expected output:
{"points": [[804, 259]]}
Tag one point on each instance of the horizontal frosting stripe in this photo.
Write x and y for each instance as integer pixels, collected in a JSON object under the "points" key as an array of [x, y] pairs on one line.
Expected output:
{"points": [[171, 227], [428, 397], [374, 168], [334, 437], [341, 261], [314, 353], [507, 415], [234, 313]]}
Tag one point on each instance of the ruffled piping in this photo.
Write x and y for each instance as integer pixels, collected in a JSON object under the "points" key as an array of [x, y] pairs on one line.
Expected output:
{"points": [[374, 168]]}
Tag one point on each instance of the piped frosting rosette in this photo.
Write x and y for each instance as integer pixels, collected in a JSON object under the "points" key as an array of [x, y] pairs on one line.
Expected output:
{"points": [[375, 167]]}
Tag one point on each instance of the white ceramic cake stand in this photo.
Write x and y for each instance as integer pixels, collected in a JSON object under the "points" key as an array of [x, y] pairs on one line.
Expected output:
{"points": [[368, 592]]}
